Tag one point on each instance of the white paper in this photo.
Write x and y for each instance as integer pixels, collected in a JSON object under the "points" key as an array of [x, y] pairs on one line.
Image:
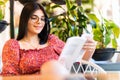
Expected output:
{"points": [[72, 51]]}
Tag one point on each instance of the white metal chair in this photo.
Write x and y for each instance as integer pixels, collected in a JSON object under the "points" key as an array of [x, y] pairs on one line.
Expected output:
{"points": [[86, 67]]}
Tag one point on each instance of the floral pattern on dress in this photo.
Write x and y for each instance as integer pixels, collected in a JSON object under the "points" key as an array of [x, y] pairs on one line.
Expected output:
{"points": [[17, 61]]}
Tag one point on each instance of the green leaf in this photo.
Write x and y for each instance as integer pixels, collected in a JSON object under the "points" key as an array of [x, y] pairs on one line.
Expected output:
{"points": [[68, 4], [93, 17], [107, 39], [98, 35], [1, 15], [116, 31], [114, 43], [2, 3], [73, 7], [56, 6], [54, 30]]}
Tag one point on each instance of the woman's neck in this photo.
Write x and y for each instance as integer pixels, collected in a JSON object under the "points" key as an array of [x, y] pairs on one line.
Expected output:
{"points": [[31, 38], [31, 42]]}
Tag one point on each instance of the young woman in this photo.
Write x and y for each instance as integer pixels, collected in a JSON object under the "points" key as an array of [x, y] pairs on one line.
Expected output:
{"points": [[34, 44]]}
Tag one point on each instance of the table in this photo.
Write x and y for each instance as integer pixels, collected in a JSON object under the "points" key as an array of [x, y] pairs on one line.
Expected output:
{"points": [[109, 76], [25, 77], [43, 77], [110, 66]]}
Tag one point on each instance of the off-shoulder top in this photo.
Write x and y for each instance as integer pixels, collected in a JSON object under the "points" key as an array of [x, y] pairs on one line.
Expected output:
{"points": [[17, 61]]}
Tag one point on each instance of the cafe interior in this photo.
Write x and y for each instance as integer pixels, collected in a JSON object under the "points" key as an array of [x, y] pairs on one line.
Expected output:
{"points": [[95, 14]]}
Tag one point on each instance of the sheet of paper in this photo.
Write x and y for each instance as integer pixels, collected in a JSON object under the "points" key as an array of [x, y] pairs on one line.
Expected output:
{"points": [[72, 51]]}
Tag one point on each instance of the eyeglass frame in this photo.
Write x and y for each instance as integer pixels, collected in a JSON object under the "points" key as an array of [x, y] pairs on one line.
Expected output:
{"points": [[33, 17]]}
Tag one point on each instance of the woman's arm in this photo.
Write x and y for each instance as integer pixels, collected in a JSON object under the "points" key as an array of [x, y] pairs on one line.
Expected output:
{"points": [[89, 47], [10, 58]]}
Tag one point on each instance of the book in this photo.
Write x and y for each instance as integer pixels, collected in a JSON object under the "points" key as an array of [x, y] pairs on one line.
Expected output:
{"points": [[72, 51]]}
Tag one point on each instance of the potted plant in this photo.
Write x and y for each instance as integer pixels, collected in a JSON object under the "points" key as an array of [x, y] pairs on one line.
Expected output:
{"points": [[106, 33], [3, 23], [69, 23], [2, 8]]}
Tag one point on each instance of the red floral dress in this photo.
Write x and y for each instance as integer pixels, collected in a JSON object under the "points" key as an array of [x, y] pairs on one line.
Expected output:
{"points": [[17, 61]]}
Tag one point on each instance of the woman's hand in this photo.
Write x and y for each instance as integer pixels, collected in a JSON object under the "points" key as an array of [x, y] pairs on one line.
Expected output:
{"points": [[89, 47]]}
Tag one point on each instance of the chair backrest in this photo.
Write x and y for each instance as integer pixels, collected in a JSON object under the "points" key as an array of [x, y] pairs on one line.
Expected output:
{"points": [[86, 67]]}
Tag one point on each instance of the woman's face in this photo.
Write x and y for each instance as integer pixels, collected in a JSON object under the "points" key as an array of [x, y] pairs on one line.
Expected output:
{"points": [[36, 22]]}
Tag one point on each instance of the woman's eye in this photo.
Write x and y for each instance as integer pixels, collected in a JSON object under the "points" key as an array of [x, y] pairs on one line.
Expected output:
{"points": [[43, 19], [33, 17]]}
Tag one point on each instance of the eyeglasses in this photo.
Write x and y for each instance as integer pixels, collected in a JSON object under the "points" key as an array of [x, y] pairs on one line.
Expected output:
{"points": [[35, 18]]}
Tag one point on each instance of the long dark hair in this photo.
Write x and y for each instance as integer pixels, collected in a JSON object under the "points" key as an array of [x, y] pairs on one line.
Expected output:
{"points": [[25, 1], [28, 10]]}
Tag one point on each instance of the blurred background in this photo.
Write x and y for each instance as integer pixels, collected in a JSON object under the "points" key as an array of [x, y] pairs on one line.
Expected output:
{"points": [[11, 9]]}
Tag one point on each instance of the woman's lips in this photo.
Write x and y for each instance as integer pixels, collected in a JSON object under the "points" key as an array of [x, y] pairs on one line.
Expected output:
{"points": [[38, 27]]}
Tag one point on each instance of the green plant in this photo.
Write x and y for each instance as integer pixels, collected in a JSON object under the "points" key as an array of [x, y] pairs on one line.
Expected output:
{"points": [[105, 32], [69, 23], [2, 7]]}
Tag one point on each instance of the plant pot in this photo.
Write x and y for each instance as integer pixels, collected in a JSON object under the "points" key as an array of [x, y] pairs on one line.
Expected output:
{"points": [[3, 25], [103, 54]]}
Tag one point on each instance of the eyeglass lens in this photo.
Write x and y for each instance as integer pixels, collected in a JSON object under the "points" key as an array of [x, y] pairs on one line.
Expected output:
{"points": [[35, 18]]}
